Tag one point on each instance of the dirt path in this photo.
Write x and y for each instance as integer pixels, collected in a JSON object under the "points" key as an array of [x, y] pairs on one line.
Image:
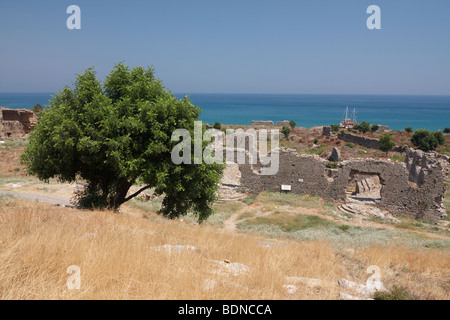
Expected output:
{"points": [[38, 197]]}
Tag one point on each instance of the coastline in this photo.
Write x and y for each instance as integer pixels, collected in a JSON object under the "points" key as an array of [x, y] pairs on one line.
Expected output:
{"points": [[307, 110]]}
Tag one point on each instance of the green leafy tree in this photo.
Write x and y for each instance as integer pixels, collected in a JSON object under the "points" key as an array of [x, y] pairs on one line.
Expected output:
{"points": [[374, 128], [386, 143], [408, 129], [285, 131], [363, 127], [447, 130], [118, 134], [292, 124]]}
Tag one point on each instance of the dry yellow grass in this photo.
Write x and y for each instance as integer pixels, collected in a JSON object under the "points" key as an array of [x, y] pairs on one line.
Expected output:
{"points": [[117, 258], [425, 273]]}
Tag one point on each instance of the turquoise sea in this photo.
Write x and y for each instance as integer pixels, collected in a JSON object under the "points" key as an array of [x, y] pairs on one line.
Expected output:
{"points": [[307, 110]]}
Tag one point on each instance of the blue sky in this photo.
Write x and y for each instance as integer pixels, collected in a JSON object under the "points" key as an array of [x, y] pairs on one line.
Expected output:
{"points": [[233, 46]]}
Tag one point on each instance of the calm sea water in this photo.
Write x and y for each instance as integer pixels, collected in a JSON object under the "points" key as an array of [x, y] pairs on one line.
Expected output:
{"points": [[397, 112]]}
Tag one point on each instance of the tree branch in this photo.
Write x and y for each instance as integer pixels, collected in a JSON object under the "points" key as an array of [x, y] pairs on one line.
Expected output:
{"points": [[137, 193]]}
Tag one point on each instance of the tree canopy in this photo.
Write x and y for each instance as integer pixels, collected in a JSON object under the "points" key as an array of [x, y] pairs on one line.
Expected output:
{"points": [[117, 134]]}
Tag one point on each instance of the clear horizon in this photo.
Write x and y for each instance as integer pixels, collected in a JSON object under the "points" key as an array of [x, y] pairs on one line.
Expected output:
{"points": [[251, 47], [268, 93]]}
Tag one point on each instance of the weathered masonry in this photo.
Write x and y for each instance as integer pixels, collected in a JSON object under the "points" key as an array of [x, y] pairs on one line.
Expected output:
{"points": [[415, 188], [16, 123], [270, 123]]}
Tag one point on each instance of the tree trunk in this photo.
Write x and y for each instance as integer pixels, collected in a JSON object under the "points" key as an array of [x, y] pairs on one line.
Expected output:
{"points": [[118, 198]]}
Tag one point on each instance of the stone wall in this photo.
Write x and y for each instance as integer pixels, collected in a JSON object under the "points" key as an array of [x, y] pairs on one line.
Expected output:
{"points": [[16, 123], [309, 174], [262, 123], [363, 141], [284, 123], [326, 131]]}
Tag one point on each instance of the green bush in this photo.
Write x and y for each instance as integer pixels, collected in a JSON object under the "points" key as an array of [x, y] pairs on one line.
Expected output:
{"points": [[426, 141], [447, 130], [385, 142], [37, 109], [408, 129], [350, 145], [362, 127], [439, 137], [397, 293], [332, 165], [286, 131], [374, 127], [292, 124], [217, 126], [335, 127], [316, 140]]}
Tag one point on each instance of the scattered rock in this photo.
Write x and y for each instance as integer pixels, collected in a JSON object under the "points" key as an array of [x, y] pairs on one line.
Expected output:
{"points": [[230, 268], [290, 288], [367, 291], [175, 248]]}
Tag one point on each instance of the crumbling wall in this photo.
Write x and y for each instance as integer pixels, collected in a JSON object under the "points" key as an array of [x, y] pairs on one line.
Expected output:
{"points": [[262, 123], [309, 174], [363, 141], [16, 123], [284, 123]]}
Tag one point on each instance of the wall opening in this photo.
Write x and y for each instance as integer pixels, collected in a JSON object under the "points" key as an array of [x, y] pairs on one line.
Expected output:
{"points": [[364, 186]]}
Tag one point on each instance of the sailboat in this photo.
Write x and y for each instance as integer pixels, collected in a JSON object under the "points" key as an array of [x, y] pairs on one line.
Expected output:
{"points": [[348, 121]]}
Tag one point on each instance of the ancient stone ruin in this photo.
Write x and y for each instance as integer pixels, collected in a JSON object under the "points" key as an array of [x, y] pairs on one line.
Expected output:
{"points": [[415, 188], [15, 123], [262, 123], [284, 123]]}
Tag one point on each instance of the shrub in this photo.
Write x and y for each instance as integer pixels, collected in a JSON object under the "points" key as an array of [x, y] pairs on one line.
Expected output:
{"points": [[385, 142], [335, 127], [37, 109], [439, 137], [397, 293], [374, 127], [350, 145], [286, 131], [362, 127], [217, 126], [292, 124], [408, 129], [332, 165], [427, 141], [447, 130], [316, 140]]}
